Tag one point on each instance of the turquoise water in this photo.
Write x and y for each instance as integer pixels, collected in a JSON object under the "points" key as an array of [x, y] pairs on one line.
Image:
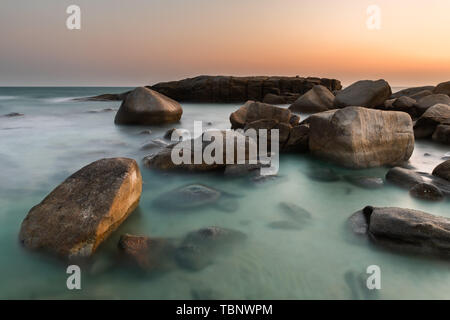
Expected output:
{"points": [[57, 136]]}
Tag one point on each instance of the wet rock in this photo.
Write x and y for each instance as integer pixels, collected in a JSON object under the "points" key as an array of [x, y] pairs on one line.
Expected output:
{"points": [[284, 225], [150, 254], [359, 221], [200, 248], [427, 123], [364, 93], [145, 132], [154, 144], [188, 197], [144, 106], [425, 103], [442, 88], [239, 170], [358, 137], [75, 218], [175, 133], [442, 134], [443, 170], [408, 230], [365, 182], [404, 178], [323, 175], [317, 99], [426, 191], [295, 212]]}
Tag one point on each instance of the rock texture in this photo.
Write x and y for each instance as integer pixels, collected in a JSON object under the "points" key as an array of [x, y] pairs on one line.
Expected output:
{"points": [[427, 102], [427, 123], [317, 99], [409, 92], [239, 89], [404, 229], [443, 88], [144, 106], [443, 170], [81, 212], [364, 93], [361, 138]]}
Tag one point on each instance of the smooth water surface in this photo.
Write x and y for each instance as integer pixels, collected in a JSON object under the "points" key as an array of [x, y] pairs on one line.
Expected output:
{"points": [[57, 136]]}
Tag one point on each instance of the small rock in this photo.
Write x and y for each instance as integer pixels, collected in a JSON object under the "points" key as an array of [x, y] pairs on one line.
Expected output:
{"points": [[426, 191]]}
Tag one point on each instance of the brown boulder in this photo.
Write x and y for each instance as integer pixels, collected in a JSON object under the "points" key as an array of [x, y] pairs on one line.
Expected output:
{"points": [[442, 134], [358, 137], [443, 170], [425, 103], [317, 99], [443, 88], [81, 212], [364, 93], [144, 106], [433, 116], [298, 139], [410, 92]]}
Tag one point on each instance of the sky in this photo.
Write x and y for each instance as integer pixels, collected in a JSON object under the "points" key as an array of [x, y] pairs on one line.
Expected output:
{"points": [[140, 42]]}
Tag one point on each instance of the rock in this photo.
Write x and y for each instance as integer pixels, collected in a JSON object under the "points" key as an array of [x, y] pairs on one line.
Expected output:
{"points": [[298, 139], [188, 197], [284, 225], [175, 133], [317, 99], [443, 170], [154, 144], [81, 212], [419, 95], [359, 221], [258, 111], [239, 170], [426, 191], [13, 114], [362, 138], [425, 103], [442, 134], [247, 152], [442, 88], [404, 178], [408, 229], [146, 132], [105, 97], [271, 98], [409, 92], [144, 106], [427, 123], [323, 175], [405, 104], [295, 120], [199, 248], [150, 254], [295, 212], [365, 182], [239, 89], [364, 93]]}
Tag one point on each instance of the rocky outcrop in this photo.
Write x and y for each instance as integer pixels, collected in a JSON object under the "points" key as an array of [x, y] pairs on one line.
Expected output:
{"points": [[238, 89], [443, 88], [427, 102], [409, 92], [361, 138], [144, 106], [403, 229], [442, 134], [317, 99], [75, 218], [427, 123], [364, 93], [443, 170]]}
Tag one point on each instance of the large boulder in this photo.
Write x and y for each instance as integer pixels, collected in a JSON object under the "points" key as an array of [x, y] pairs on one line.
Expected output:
{"points": [[442, 134], [144, 106], [80, 213], [426, 102], [443, 170], [364, 93], [358, 137], [427, 123], [317, 99], [443, 88], [408, 92], [404, 229]]}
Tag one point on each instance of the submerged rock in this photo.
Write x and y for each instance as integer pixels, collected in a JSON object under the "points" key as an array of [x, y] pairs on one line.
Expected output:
{"points": [[154, 144], [13, 114], [358, 137], [364, 93], [199, 248], [81, 212], [150, 254], [426, 191], [295, 213], [144, 106], [406, 229], [365, 182], [323, 174], [188, 197]]}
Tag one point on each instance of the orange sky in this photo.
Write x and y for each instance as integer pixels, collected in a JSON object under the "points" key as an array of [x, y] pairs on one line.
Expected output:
{"points": [[135, 42]]}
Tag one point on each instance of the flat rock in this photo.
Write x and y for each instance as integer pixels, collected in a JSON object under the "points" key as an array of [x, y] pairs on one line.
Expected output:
{"points": [[75, 218]]}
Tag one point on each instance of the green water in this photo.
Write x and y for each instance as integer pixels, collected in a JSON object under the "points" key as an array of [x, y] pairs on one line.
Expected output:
{"points": [[57, 137]]}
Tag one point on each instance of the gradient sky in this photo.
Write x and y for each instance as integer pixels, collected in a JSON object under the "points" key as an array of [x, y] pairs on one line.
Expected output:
{"points": [[136, 42]]}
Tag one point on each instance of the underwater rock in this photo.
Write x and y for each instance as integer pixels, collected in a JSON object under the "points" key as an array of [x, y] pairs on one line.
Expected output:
{"points": [[199, 248], [77, 216], [13, 114], [295, 212], [323, 174], [188, 197], [365, 182]]}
